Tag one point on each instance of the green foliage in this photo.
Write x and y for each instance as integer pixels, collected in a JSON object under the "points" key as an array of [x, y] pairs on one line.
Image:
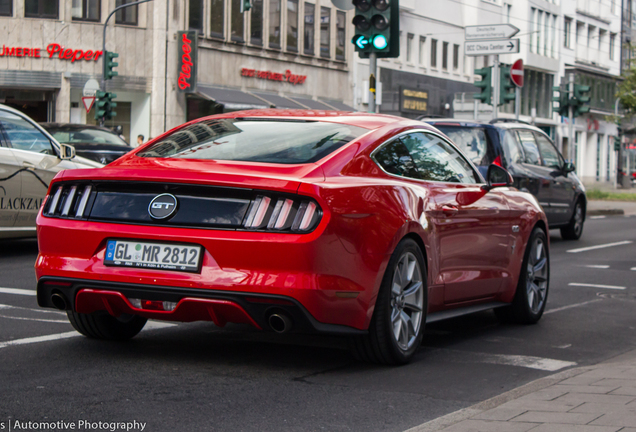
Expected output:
{"points": [[627, 93], [594, 194]]}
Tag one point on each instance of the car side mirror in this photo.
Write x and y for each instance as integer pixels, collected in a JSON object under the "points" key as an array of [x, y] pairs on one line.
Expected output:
{"points": [[67, 152], [568, 167], [497, 176]]}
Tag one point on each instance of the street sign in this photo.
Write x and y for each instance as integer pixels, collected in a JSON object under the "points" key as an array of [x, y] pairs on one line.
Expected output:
{"points": [[91, 87], [516, 73], [494, 31], [488, 47], [88, 102]]}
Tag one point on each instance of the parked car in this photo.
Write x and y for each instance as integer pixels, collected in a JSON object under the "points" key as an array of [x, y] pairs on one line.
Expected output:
{"points": [[345, 223], [534, 162], [29, 159], [93, 142]]}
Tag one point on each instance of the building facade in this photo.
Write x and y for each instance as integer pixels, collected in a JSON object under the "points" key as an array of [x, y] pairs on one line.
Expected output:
{"points": [[283, 54]]}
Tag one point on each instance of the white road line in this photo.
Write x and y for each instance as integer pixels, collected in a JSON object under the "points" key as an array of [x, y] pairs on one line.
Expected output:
{"points": [[596, 286], [40, 310], [598, 217], [571, 306], [35, 319], [633, 269], [530, 362], [598, 266], [17, 291], [599, 246]]}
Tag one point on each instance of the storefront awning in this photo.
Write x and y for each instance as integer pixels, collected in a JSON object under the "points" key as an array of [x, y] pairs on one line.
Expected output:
{"points": [[312, 104], [338, 105], [231, 99], [279, 101]]}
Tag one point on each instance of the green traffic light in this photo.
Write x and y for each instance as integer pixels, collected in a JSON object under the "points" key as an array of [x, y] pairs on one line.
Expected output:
{"points": [[380, 42]]}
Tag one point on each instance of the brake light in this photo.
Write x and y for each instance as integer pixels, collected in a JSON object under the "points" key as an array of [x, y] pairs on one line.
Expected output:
{"points": [[283, 214]]}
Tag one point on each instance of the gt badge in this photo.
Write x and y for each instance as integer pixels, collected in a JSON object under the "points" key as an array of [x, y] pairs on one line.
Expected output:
{"points": [[162, 206]]}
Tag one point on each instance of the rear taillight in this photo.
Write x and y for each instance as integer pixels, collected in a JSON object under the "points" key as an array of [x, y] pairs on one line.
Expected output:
{"points": [[68, 201], [283, 214]]}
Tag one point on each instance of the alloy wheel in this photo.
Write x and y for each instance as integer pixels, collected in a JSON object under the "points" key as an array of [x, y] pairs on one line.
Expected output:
{"points": [[407, 301], [537, 276], [578, 219]]}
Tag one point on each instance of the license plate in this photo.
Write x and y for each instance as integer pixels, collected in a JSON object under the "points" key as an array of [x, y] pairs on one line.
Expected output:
{"points": [[152, 255]]}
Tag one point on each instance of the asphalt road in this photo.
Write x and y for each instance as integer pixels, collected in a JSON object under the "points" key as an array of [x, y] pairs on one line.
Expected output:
{"points": [[196, 377]]}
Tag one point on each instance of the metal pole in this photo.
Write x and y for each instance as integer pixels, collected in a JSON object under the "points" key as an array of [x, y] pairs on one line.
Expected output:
{"points": [[373, 59], [517, 102], [571, 119], [495, 88], [620, 147], [476, 109]]}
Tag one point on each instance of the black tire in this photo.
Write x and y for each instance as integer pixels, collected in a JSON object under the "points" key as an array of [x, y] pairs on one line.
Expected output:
{"points": [[574, 228], [381, 345], [529, 302], [101, 325]]}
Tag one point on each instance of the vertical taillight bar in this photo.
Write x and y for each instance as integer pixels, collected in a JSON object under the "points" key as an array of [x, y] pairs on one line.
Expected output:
{"points": [[82, 204]]}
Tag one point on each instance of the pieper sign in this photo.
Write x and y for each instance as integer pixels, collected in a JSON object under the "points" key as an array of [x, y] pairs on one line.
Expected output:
{"points": [[187, 61], [54, 50]]}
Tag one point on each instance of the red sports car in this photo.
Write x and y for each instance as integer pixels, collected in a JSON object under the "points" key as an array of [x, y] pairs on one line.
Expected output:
{"points": [[355, 224]]}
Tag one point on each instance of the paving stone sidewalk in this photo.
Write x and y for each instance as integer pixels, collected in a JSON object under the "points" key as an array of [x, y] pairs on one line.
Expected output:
{"points": [[599, 398]]}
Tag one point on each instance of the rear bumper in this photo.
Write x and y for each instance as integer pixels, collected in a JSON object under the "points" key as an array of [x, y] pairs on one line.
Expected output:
{"points": [[220, 307]]}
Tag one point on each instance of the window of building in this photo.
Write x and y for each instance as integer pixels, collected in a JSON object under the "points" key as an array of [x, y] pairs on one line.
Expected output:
{"points": [[325, 34], [567, 32], [292, 25], [422, 51], [126, 16], [195, 15], [433, 53], [310, 12], [6, 7], [539, 30], [41, 8], [256, 22], [553, 39], [274, 23], [612, 46], [409, 48], [533, 18], [546, 34], [341, 33], [217, 18], [445, 55], [455, 57], [590, 35], [88, 10], [237, 22]]}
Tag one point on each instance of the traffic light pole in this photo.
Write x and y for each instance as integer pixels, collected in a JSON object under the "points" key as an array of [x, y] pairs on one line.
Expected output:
{"points": [[571, 119], [495, 90], [101, 122], [373, 59], [517, 102]]}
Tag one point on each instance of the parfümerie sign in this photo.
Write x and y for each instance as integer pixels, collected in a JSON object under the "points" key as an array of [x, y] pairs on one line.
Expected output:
{"points": [[493, 31]]}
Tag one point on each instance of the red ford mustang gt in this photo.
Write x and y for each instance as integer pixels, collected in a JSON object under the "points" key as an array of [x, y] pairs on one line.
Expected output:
{"points": [[354, 224]]}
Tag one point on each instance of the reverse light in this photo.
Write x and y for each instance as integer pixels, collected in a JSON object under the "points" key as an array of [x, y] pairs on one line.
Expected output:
{"points": [[257, 212], [304, 216]]}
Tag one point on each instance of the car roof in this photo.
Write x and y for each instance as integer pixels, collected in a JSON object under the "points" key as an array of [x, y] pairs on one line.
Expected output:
{"points": [[504, 124], [74, 126]]}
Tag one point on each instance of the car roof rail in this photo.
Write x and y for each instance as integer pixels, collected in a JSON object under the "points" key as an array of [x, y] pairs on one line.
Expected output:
{"points": [[507, 120]]}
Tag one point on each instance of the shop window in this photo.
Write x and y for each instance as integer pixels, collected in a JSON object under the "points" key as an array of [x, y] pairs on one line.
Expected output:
{"points": [[126, 16], [256, 22], [41, 8], [341, 32], [433, 53], [217, 14], [292, 25], [6, 7], [86, 10], [274, 23], [310, 11], [195, 15], [237, 22], [325, 33]]}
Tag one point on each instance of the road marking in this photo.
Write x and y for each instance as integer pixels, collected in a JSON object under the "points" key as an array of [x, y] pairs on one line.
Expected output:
{"points": [[571, 306], [596, 286], [598, 217], [598, 266], [40, 310], [17, 291], [633, 269], [599, 246], [35, 319], [530, 362]]}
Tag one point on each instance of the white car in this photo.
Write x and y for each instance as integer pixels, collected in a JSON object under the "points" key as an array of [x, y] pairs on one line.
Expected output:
{"points": [[29, 159]]}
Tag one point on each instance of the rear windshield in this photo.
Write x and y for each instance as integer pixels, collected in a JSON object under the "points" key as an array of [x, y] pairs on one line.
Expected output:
{"points": [[255, 140], [90, 136], [472, 141]]}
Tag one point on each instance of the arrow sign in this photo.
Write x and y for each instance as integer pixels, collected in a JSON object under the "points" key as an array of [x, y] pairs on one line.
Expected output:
{"points": [[361, 41], [488, 47], [494, 31]]}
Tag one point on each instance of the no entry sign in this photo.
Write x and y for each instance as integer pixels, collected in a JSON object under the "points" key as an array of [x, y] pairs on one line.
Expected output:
{"points": [[516, 73]]}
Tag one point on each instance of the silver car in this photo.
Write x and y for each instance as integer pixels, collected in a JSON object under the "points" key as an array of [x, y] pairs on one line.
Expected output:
{"points": [[29, 159]]}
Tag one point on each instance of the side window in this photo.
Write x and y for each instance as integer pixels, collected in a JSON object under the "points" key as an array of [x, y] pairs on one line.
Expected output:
{"points": [[395, 159], [530, 149], [22, 135], [512, 148], [549, 153], [437, 160]]}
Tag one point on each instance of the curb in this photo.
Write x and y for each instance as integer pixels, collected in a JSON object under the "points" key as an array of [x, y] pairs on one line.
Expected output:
{"points": [[605, 212]]}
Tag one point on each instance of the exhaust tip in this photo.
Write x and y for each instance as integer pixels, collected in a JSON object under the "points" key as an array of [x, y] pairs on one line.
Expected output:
{"points": [[59, 301], [280, 323]]}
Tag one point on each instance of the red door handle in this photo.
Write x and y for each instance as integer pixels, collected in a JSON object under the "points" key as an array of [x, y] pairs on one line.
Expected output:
{"points": [[449, 209]]}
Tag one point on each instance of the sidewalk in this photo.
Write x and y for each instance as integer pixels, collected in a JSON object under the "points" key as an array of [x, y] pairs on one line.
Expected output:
{"points": [[599, 398], [596, 208]]}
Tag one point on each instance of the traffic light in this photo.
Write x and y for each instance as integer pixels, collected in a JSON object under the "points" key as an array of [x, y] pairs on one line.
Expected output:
{"points": [[485, 85], [562, 99], [110, 64], [581, 99], [377, 24], [246, 5], [505, 86], [617, 140], [104, 107]]}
